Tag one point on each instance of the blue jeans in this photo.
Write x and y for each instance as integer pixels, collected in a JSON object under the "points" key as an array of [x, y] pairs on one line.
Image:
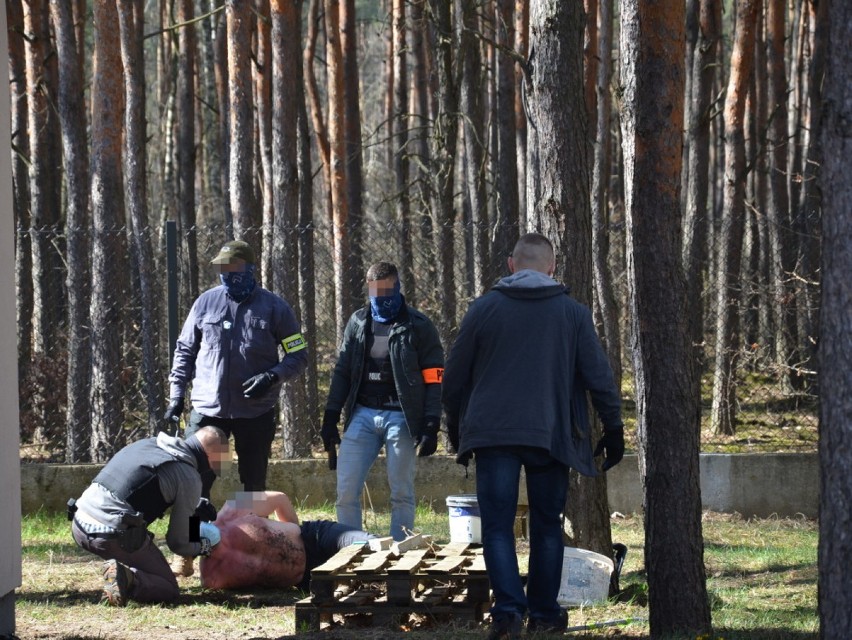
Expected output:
{"points": [[498, 472], [368, 431]]}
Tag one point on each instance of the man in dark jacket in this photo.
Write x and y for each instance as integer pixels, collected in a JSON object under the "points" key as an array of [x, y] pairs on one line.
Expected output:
{"points": [[514, 395], [387, 382], [135, 488]]}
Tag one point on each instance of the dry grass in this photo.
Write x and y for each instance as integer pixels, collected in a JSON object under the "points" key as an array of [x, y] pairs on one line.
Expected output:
{"points": [[761, 580]]}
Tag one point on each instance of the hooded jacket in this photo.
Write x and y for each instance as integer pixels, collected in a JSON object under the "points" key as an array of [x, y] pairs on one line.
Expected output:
{"points": [[517, 374], [179, 484]]}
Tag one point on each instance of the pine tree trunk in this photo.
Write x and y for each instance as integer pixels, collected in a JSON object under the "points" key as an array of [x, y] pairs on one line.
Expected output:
{"points": [[241, 169], [400, 155], [72, 114], [473, 116], [444, 141], [652, 45], [20, 181], [603, 286], [345, 299], [727, 344], [506, 177], [835, 346], [285, 94], [354, 160], [108, 246], [131, 23], [185, 115]]}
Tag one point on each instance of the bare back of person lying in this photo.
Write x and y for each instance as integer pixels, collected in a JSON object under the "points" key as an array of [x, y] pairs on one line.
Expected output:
{"points": [[257, 551]]}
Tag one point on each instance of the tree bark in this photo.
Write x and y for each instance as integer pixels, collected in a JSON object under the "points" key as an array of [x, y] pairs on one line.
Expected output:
{"points": [[698, 212], [444, 139], [72, 115], [723, 410], [400, 153], [354, 160], [286, 93], [241, 169], [20, 181], [131, 22], [345, 298], [473, 115], [558, 113], [603, 287], [506, 178], [421, 124], [779, 221], [522, 28], [43, 207], [652, 73], [185, 115], [263, 70], [108, 247], [835, 346]]}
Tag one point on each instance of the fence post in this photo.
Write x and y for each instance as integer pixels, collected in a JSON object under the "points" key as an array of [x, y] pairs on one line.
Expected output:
{"points": [[172, 278]]}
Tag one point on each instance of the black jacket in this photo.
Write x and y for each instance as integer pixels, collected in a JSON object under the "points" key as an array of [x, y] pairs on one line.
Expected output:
{"points": [[517, 373], [414, 348]]}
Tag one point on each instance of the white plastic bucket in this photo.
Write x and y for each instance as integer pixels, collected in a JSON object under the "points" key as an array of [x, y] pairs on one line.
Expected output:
{"points": [[585, 577], [465, 524]]}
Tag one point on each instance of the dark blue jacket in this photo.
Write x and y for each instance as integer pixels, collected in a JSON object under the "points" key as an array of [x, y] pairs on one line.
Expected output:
{"points": [[518, 369]]}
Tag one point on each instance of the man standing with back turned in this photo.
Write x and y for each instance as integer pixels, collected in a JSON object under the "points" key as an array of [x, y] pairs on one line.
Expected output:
{"points": [[514, 395]]}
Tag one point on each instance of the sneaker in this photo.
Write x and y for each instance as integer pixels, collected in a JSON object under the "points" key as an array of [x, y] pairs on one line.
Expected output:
{"points": [[118, 581], [506, 628], [183, 566]]}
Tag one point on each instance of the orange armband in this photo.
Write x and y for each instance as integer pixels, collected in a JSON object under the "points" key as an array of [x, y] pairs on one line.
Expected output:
{"points": [[433, 376]]}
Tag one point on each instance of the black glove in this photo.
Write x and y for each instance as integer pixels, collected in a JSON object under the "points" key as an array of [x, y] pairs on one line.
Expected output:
{"points": [[453, 434], [428, 440], [612, 446], [330, 436], [258, 385], [205, 511], [174, 410]]}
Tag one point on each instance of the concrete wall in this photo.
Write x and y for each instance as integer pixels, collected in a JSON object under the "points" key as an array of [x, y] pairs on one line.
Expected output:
{"points": [[752, 485], [10, 524]]}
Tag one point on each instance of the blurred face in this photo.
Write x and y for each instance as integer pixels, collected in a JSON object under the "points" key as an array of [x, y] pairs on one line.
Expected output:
{"points": [[237, 266], [219, 458], [384, 287]]}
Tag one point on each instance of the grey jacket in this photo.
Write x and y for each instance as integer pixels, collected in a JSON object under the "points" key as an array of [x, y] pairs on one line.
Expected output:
{"points": [[223, 343], [517, 374], [180, 485], [414, 348]]}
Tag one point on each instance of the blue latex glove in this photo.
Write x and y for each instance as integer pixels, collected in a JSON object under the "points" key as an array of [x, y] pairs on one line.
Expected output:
{"points": [[210, 531]]}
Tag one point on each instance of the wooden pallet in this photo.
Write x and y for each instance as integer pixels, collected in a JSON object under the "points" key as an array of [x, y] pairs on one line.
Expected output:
{"points": [[437, 581]]}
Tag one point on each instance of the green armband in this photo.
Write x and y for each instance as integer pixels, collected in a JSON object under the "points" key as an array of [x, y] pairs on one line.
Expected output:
{"points": [[294, 343]]}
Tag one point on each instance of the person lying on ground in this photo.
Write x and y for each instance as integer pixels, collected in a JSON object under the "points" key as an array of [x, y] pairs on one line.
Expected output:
{"points": [[257, 551]]}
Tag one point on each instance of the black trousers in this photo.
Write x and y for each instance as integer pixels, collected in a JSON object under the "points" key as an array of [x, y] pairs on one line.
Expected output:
{"points": [[252, 442]]}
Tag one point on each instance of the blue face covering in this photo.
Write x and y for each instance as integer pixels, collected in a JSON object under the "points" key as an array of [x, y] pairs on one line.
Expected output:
{"points": [[386, 308], [239, 284]]}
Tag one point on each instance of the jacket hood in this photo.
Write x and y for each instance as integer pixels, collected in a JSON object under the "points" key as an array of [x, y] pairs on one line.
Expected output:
{"points": [[176, 447], [528, 283]]}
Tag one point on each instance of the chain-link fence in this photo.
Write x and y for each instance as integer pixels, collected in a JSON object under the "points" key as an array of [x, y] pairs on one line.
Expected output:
{"points": [[772, 395]]}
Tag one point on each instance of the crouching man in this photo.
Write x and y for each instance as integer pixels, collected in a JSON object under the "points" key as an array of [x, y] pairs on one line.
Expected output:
{"points": [[256, 551], [135, 488]]}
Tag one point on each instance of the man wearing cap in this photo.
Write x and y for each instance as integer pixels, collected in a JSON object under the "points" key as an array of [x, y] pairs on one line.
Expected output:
{"points": [[230, 350]]}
